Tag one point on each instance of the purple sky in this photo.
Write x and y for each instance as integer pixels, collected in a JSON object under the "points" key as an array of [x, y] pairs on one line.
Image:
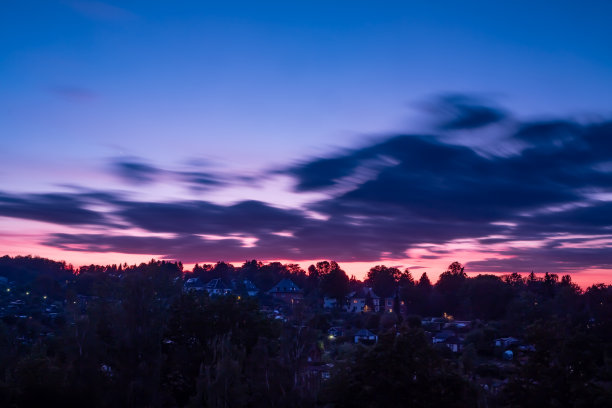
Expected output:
{"points": [[413, 133]]}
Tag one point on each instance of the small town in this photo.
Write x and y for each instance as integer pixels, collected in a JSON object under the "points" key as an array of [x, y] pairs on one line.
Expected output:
{"points": [[276, 335], [305, 204]]}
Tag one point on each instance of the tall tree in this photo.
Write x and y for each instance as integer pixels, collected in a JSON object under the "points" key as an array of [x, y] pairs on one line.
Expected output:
{"points": [[383, 280], [335, 284]]}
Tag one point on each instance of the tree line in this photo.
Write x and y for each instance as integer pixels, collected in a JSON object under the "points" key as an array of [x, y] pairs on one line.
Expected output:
{"points": [[129, 335]]}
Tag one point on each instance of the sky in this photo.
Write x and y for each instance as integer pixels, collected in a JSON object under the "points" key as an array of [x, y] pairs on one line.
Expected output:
{"points": [[408, 133]]}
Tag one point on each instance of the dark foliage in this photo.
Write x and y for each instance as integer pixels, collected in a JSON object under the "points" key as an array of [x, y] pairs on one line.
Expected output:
{"points": [[121, 335]]}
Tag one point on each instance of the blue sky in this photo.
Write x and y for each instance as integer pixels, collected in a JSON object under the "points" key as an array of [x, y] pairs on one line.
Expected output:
{"points": [[248, 88]]}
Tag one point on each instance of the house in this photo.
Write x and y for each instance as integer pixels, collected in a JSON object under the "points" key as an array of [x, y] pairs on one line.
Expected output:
{"points": [[442, 336], [287, 291], [193, 285], [329, 303], [388, 304], [449, 339], [217, 287], [458, 325], [251, 289], [245, 287], [432, 323], [507, 342], [365, 336], [357, 302], [454, 343]]}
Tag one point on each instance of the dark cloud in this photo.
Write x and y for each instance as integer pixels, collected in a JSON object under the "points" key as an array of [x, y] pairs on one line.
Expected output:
{"points": [[200, 180], [460, 112], [188, 248], [550, 134], [438, 191], [324, 172], [548, 259], [135, 171], [439, 181], [383, 198], [66, 209], [200, 217], [184, 247], [435, 179]]}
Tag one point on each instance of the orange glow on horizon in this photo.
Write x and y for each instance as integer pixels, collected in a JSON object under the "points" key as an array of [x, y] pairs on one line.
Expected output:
{"points": [[433, 267]]}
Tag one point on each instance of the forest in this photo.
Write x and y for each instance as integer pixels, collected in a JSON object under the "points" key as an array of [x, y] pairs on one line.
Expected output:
{"points": [[136, 336]]}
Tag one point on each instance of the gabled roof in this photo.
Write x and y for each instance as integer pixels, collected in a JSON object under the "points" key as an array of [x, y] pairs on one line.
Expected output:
{"points": [[508, 339], [216, 284], [363, 293], [444, 335], [364, 333], [249, 285], [285, 286], [193, 283]]}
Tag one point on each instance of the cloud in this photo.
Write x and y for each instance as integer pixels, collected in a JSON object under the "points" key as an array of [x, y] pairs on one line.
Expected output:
{"points": [[135, 171], [198, 180], [201, 217], [460, 112], [554, 260], [65, 209], [439, 181], [439, 190], [398, 195]]}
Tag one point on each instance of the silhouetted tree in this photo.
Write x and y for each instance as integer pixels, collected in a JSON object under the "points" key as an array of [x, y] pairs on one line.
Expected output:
{"points": [[449, 286], [335, 284], [383, 280], [401, 370]]}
